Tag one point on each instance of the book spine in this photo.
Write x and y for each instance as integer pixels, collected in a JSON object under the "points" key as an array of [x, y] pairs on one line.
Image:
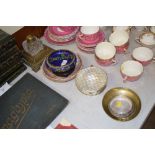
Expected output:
{"points": [[7, 45], [11, 60], [9, 78], [4, 56]]}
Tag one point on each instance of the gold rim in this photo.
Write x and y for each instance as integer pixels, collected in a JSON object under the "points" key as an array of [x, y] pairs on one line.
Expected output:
{"points": [[126, 93]]}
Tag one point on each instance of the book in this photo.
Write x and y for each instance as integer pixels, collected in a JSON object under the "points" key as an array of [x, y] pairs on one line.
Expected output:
{"points": [[6, 41], [149, 123], [30, 104]]}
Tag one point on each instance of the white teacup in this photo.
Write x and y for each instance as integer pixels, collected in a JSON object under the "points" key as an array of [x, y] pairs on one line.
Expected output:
{"points": [[143, 54], [105, 53], [131, 70], [147, 38], [120, 39], [152, 29], [125, 28]]}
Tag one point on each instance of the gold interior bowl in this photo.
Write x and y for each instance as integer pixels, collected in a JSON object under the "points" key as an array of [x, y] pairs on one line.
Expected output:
{"points": [[121, 104]]}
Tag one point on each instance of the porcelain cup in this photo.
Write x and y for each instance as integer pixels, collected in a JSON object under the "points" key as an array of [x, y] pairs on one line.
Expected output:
{"points": [[131, 70], [89, 33], [105, 53], [120, 39]]}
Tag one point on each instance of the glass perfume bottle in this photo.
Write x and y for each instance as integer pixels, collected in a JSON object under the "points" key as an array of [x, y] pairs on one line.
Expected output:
{"points": [[32, 45]]}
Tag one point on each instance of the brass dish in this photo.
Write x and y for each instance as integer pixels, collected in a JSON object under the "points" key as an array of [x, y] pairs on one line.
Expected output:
{"points": [[124, 93]]}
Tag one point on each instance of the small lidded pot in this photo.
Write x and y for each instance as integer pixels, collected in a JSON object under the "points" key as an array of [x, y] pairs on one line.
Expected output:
{"points": [[131, 70], [120, 39], [61, 62], [105, 53], [143, 54]]}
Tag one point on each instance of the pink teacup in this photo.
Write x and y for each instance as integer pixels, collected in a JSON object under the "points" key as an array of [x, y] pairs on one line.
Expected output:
{"points": [[131, 70], [143, 54], [105, 54], [120, 39], [89, 33]]}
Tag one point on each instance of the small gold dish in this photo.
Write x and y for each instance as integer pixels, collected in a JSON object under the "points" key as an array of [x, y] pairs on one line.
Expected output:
{"points": [[121, 104]]}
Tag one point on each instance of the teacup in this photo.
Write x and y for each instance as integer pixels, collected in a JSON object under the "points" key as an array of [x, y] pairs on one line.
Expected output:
{"points": [[89, 33], [143, 54], [68, 28], [105, 53], [131, 70], [120, 39], [146, 38], [152, 29], [125, 28]]}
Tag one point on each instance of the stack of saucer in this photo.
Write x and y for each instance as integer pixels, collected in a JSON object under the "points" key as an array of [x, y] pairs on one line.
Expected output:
{"points": [[61, 35], [88, 38]]}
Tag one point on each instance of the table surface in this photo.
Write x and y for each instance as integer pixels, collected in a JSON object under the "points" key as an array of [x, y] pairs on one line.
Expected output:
{"points": [[86, 112]]}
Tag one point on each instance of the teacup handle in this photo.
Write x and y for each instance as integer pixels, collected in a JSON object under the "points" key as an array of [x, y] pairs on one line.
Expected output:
{"points": [[138, 40], [125, 79], [114, 61], [81, 36], [126, 51]]}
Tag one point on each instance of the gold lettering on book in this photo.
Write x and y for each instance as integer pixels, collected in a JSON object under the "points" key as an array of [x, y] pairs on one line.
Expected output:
{"points": [[19, 111]]}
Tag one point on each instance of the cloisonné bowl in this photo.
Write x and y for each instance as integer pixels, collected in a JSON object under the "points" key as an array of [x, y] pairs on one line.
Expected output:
{"points": [[61, 62]]}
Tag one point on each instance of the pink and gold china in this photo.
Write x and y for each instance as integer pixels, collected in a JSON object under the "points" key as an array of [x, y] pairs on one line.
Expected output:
{"points": [[105, 53], [131, 70], [89, 33], [88, 38], [120, 39], [60, 36], [143, 54], [146, 39]]}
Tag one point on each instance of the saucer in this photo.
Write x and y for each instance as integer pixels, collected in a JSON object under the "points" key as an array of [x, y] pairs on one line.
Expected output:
{"points": [[49, 75], [56, 30], [52, 34], [92, 43], [51, 41], [89, 50]]}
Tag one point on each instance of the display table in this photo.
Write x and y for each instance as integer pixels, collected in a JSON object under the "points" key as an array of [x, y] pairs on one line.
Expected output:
{"points": [[86, 112]]}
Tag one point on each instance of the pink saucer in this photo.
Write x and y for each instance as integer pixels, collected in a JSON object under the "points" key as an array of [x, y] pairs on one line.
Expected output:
{"points": [[55, 42], [91, 43], [56, 30], [87, 50]]}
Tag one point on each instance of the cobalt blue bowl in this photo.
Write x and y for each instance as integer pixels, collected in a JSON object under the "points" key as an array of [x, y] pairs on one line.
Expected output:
{"points": [[61, 62]]}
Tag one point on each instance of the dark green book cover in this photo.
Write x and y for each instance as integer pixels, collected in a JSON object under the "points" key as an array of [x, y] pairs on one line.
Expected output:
{"points": [[30, 104]]}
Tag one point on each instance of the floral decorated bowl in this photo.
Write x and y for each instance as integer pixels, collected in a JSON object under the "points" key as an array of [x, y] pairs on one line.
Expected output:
{"points": [[61, 62]]}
